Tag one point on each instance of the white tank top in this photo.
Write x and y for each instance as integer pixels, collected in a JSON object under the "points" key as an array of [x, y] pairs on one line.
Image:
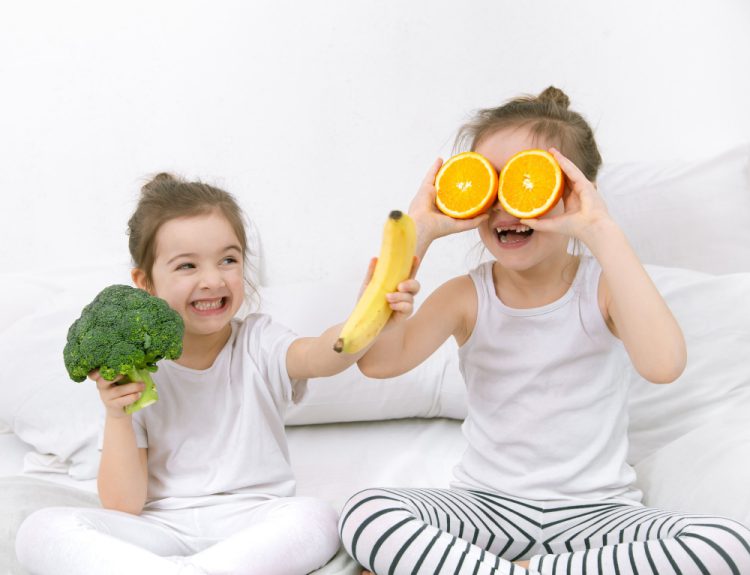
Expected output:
{"points": [[547, 397]]}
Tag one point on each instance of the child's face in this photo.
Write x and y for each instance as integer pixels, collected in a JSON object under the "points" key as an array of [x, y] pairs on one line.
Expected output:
{"points": [[517, 251], [198, 270]]}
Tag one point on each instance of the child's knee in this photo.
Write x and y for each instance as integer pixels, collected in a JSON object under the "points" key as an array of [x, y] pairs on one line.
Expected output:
{"points": [[319, 517], [359, 508], [321, 513], [34, 534], [729, 543]]}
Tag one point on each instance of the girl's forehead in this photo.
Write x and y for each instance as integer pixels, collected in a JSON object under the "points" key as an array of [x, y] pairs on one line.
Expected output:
{"points": [[499, 146], [200, 233]]}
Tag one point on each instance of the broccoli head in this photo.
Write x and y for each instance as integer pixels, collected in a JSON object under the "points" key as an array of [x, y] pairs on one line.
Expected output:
{"points": [[124, 331]]}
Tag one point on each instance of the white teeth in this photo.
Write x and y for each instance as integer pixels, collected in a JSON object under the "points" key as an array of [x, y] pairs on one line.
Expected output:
{"points": [[208, 305], [513, 228]]}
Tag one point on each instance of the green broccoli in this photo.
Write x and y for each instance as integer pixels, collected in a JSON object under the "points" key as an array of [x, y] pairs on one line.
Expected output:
{"points": [[124, 331]]}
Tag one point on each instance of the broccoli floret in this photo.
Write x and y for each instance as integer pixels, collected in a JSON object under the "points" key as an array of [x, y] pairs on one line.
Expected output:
{"points": [[124, 331]]}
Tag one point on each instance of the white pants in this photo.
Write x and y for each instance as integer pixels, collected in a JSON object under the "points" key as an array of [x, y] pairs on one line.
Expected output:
{"points": [[289, 536]]}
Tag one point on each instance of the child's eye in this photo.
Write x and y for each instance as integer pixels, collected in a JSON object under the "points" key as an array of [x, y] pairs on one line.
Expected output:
{"points": [[229, 260], [186, 266]]}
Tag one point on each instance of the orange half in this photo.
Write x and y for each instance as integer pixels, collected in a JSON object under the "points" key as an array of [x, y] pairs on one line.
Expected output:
{"points": [[531, 183], [466, 185]]}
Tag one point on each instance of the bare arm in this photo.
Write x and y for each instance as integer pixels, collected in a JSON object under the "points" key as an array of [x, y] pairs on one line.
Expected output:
{"points": [[123, 470], [314, 356], [634, 309], [449, 311], [637, 312]]}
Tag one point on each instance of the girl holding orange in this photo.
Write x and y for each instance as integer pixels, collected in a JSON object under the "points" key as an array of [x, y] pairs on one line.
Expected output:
{"points": [[544, 485]]}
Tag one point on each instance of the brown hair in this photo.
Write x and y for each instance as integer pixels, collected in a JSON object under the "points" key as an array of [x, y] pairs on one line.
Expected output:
{"points": [[167, 197], [548, 118]]}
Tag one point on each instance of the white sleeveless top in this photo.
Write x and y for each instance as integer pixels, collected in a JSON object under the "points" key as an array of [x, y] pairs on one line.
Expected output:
{"points": [[547, 397]]}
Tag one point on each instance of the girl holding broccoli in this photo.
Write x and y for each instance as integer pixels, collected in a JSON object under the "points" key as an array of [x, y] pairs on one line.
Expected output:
{"points": [[200, 482]]}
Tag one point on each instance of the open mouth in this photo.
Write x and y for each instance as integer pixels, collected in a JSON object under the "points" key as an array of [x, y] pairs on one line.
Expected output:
{"points": [[209, 305], [513, 234]]}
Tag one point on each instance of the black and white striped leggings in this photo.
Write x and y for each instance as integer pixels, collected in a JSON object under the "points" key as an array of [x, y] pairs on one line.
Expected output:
{"points": [[398, 531]]}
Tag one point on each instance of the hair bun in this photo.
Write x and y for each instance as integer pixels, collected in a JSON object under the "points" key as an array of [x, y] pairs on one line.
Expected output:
{"points": [[555, 96], [157, 180]]}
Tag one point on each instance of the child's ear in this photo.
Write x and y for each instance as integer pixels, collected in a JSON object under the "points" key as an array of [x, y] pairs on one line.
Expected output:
{"points": [[140, 280]]}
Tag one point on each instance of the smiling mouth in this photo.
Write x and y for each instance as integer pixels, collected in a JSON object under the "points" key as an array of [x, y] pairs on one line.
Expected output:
{"points": [[513, 234], [209, 304]]}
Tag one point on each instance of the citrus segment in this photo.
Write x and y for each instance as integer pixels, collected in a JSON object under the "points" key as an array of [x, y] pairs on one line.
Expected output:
{"points": [[466, 185], [531, 183]]}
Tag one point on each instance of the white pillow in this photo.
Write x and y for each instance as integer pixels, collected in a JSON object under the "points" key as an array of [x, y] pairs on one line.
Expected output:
{"points": [[714, 313], [705, 471], [24, 293], [685, 214], [38, 400]]}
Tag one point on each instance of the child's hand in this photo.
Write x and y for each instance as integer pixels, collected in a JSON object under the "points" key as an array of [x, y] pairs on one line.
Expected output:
{"points": [[116, 397], [430, 221], [402, 300], [584, 207]]}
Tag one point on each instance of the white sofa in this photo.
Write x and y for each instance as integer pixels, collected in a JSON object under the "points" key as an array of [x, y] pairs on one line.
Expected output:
{"points": [[690, 441]]}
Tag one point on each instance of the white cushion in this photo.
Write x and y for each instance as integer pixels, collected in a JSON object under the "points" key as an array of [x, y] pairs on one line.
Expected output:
{"points": [[38, 400], [714, 313], [685, 214], [705, 471]]}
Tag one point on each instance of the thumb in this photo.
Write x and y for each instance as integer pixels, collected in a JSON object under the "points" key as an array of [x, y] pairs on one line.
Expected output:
{"points": [[472, 223], [539, 225]]}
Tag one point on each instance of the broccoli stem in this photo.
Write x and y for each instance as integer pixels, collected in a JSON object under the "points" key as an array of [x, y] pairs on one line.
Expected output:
{"points": [[149, 395]]}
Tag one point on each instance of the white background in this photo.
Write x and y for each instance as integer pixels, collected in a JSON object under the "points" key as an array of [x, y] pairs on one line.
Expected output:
{"points": [[322, 116]]}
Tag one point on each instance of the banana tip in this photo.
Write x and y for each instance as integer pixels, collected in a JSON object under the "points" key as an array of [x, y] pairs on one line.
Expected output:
{"points": [[338, 347], [396, 214]]}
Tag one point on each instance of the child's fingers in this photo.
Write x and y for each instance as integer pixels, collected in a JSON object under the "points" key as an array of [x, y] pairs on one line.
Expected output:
{"points": [[410, 286], [403, 307], [126, 400], [541, 225], [573, 173], [414, 267], [102, 383], [429, 179], [114, 391], [471, 223], [399, 296]]}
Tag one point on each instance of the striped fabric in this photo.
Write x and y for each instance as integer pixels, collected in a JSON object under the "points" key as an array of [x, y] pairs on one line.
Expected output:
{"points": [[398, 531]]}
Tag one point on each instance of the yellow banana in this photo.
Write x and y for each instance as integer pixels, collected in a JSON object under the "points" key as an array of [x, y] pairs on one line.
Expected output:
{"points": [[393, 266]]}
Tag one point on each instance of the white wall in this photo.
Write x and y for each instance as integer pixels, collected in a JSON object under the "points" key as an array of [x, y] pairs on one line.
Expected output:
{"points": [[323, 116]]}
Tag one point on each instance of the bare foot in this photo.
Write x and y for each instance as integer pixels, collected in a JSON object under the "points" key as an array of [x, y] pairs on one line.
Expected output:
{"points": [[365, 572]]}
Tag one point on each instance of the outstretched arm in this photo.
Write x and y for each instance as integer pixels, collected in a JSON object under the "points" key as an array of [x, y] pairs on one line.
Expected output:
{"points": [[449, 311], [634, 308], [310, 357]]}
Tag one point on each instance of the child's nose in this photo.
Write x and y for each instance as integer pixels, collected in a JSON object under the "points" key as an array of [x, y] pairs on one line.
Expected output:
{"points": [[212, 278]]}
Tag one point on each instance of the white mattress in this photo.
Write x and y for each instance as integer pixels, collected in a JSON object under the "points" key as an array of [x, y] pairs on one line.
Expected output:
{"points": [[331, 461]]}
